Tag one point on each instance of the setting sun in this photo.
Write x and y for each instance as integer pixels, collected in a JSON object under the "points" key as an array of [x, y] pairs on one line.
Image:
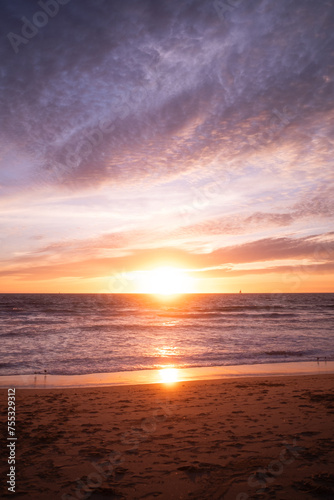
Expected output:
{"points": [[165, 281], [169, 375]]}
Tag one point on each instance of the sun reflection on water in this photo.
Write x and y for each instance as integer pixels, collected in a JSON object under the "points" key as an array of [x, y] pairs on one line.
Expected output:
{"points": [[166, 351], [170, 323]]}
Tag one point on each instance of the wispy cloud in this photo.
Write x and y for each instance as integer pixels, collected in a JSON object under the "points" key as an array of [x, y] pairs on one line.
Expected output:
{"points": [[269, 255], [101, 89], [190, 129]]}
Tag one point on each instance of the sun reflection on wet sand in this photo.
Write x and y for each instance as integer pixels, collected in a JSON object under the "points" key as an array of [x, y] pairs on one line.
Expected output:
{"points": [[167, 375]]}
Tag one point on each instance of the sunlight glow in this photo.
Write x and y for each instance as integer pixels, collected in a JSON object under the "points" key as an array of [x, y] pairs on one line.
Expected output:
{"points": [[165, 281], [169, 375]]}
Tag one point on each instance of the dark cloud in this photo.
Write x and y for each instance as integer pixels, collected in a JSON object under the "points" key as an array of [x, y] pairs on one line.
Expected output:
{"points": [[125, 90]]}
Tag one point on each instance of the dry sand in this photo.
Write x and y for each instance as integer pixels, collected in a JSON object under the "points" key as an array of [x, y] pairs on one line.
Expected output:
{"points": [[222, 439]]}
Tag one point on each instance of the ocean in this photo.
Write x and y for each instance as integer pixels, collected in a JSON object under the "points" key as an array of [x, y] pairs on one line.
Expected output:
{"points": [[72, 334]]}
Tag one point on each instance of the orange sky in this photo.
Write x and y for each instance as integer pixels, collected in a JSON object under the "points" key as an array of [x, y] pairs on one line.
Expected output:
{"points": [[174, 136]]}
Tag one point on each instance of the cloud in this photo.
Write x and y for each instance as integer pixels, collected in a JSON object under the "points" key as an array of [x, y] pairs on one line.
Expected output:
{"points": [[314, 252], [136, 131], [134, 91], [275, 249]]}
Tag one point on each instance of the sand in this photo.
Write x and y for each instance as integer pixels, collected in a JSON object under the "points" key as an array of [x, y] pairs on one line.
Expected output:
{"points": [[264, 437]]}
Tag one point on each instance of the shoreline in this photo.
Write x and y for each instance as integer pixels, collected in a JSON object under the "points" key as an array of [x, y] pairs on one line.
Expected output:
{"points": [[156, 376]]}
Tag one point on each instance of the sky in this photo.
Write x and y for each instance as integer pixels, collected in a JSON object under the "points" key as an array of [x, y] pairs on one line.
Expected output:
{"points": [[193, 134]]}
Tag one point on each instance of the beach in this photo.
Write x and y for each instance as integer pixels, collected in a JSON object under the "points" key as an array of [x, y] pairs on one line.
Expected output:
{"points": [[167, 250], [250, 437]]}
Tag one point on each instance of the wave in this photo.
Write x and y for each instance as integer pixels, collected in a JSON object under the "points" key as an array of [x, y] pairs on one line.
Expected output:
{"points": [[69, 334], [284, 353]]}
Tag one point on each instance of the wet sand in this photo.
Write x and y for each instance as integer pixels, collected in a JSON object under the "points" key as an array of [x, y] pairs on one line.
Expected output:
{"points": [[263, 437]]}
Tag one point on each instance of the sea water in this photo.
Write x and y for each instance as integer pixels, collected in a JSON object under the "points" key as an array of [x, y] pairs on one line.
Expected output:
{"points": [[72, 334]]}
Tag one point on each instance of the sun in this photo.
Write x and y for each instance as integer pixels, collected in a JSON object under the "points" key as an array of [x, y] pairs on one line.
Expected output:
{"points": [[165, 281], [169, 375]]}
